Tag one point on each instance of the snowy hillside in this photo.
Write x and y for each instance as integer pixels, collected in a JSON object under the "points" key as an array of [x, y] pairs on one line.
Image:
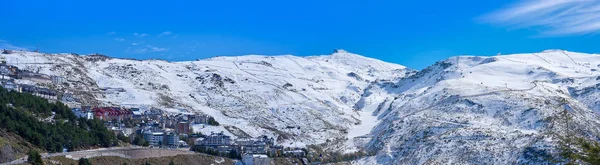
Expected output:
{"points": [[464, 110], [299, 100], [484, 110]]}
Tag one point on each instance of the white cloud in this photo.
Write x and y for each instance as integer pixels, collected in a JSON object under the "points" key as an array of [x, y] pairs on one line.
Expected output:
{"points": [[140, 34], [6, 45], [111, 33], [134, 44], [119, 39], [156, 49], [166, 33], [552, 17], [136, 50], [145, 49]]}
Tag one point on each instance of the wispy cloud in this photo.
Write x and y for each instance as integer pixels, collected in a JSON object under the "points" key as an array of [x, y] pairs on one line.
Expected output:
{"points": [[119, 39], [7, 45], [166, 33], [156, 49], [140, 34], [136, 50], [134, 44], [552, 17], [111, 33], [145, 49]]}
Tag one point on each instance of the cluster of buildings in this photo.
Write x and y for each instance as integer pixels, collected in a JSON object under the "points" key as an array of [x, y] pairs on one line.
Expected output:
{"points": [[222, 144], [102, 113], [9, 73], [164, 130], [153, 125], [163, 138], [249, 159], [111, 113], [252, 151], [156, 127], [8, 70], [11, 85]]}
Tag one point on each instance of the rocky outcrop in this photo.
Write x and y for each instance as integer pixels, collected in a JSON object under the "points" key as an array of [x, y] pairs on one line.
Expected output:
{"points": [[6, 153]]}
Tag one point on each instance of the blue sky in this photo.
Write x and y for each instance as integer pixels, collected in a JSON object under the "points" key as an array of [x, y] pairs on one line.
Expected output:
{"points": [[411, 33]]}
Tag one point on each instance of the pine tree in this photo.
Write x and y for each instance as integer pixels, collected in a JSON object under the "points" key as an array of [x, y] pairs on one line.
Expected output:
{"points": [[212, 121], [84, 161], [75, 133], [577, 150], [35, 158]]}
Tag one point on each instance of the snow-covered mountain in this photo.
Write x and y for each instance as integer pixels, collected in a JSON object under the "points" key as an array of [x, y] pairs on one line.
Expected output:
{"points": [[464, 110], [485, 110], [298, 100]]}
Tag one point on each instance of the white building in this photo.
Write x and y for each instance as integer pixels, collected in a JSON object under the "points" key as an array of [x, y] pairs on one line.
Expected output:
{"points": [[57, 79], [11, 86], [128, 131], [172, 139], [217, 139], [249, 159], [154, 138], [89, 115]]}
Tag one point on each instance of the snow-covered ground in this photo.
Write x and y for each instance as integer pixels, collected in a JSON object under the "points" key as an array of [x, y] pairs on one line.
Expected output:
{"points": [[485, 110], [462, 110], [298, 100]]}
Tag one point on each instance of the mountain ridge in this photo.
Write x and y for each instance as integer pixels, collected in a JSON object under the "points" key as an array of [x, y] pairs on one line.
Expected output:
{"points": [[490, 109], [317, 87], [484, 110]]}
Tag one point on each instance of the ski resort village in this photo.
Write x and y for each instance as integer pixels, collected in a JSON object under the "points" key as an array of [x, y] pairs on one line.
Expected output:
{"points": [[144, 125], [342, 82], [337, 108]]}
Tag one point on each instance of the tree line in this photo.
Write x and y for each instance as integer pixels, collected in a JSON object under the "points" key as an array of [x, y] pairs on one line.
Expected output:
{"points": [[21, 114]]}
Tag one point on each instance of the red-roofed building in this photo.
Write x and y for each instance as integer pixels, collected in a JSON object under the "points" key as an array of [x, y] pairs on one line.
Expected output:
{"points": [[111, 113]]}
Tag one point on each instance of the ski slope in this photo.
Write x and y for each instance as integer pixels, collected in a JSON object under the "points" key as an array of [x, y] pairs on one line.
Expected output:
{"points": [[298, 100], [485, 110], [462, 110]]}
